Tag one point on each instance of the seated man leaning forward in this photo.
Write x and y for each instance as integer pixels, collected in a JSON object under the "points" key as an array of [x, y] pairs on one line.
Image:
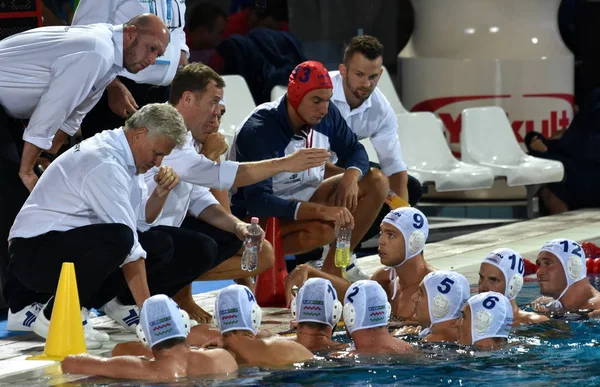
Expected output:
{"points": [[486, 321], [317, 311], [562, 276], [366, 315], [403, 235], [84, 210], [163, 330], [502, 271], [438, 304], [308, 205]]}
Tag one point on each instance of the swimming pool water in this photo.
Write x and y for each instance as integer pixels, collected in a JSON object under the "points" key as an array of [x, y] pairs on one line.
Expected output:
{"points": [[559, 353]]}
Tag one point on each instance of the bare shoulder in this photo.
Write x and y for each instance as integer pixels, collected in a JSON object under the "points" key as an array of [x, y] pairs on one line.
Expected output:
{"points": [[211, 361], [402, 346], [289, 350], [382, 275], [594, 302]]}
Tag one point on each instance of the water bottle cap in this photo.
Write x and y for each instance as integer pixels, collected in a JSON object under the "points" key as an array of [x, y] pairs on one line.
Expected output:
{"points": [[254, 220]]}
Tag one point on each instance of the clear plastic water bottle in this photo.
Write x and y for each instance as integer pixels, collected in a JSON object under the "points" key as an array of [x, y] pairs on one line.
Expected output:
{"points": [[252, 244], [342, 247]]}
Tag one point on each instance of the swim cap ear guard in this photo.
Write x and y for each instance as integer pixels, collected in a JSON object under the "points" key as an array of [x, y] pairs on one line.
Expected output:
{"points": [[514, 286], [337, 312], [187, 323], [256, 316]]}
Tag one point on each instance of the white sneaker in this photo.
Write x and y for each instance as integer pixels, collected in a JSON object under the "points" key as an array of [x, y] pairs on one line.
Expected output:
{"points": [[42, 325], [128, 316], [23, 320], [353, 272], [88, 328]]}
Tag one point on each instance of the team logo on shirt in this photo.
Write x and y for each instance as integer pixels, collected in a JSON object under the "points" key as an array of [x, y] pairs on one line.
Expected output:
{"points": [[293, 179]]}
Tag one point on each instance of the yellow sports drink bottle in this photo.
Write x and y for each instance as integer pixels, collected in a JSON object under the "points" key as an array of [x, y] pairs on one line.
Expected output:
{"points": [[342, 250], [395, 201]]}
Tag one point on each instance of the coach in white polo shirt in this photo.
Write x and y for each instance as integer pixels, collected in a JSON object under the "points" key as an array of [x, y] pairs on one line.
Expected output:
{"points": [[130, 91], [370, 115], [85, 210], [53, 76]]}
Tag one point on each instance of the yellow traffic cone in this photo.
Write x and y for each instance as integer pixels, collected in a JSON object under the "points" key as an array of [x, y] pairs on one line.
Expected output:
{"points": [[65, 334]]}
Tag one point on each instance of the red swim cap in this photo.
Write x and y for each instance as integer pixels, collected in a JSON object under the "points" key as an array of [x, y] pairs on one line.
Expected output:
{"points": [[307, 76]]}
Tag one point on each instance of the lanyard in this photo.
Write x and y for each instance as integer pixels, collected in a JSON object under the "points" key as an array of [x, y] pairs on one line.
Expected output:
{"points": [[169, 15], [308, 141]]}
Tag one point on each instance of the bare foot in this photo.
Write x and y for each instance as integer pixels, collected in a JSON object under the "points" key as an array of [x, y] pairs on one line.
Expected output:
{"points": [[246, 281], [184, 299], [196, 312]]}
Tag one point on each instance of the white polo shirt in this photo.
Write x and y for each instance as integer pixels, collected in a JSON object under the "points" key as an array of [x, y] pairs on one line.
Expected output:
{"points": [[196, 173], [94, 182], [53, 76], [172, 13], [374, 119]]}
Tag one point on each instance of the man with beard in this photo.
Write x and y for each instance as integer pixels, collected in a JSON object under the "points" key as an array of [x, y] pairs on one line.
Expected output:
{"points": [[370, 115]]}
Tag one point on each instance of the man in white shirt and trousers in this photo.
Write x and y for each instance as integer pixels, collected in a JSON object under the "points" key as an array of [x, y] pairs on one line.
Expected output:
{"points": [[86, 209], [129, 91], [52, 76], [370, 115]]}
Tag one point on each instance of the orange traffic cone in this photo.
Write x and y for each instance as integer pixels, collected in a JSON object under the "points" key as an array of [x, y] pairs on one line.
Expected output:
{"points": [[270, 285], [65, 335]]}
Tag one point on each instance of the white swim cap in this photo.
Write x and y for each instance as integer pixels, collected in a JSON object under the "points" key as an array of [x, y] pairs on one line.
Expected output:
{"points": [[414, 227], [366, 306], [572, 257], [236, 309], [160, 320], [317, 301], [491, 316], [447, 293], [512, 266]]}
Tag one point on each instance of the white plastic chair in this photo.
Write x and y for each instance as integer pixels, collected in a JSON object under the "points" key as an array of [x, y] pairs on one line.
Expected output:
{"points": [[374, 159], [387, 88], [487, 139], [425, 151], [239, 102], [277, 91]]}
